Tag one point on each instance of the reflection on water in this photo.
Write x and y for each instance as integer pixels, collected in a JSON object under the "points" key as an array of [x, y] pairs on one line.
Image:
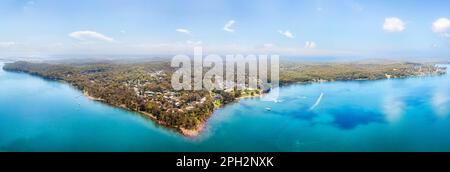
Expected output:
{"points": [[388, 115], [393, 108], [440, 101]]}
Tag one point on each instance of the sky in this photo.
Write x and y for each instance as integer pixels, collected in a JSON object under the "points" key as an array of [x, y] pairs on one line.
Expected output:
{"points": [[382, 28]]}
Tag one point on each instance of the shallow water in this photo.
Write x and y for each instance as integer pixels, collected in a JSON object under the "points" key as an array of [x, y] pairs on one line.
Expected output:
{"points": [[387, 115]]}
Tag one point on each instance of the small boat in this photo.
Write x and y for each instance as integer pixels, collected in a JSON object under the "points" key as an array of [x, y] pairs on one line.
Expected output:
{"points": [[268, 109]]}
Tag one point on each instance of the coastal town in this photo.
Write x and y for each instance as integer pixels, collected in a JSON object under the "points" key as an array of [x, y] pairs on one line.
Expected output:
{"points": [[146, 88]]}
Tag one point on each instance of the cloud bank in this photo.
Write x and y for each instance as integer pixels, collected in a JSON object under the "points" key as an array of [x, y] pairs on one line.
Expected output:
{"points": [[310, 45], [90, 36], [286, 33], [393, 24], [185, 31], [228, 26], [441, 26]]}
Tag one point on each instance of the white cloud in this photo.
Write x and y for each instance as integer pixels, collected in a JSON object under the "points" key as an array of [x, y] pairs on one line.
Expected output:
{"points": [[393, 24], [441, 26], [90, 36], [310, 45], [228, 26], [286, 33], [185, 31]]}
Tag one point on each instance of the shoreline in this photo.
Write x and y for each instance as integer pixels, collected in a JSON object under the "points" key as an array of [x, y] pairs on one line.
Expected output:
{"points": [[199, 128], [185, 132], [192, 133], [249, 96], [85, 93]]}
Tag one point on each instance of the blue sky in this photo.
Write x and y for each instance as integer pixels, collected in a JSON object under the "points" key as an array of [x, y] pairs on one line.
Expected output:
{"points": [[401, 28]]}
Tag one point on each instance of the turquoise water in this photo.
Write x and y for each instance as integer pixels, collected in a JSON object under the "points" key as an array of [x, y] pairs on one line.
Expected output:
{"points": [[388, 115]]}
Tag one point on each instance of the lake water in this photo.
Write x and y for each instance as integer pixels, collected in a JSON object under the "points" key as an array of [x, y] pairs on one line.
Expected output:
{"points": [[387, 115]]}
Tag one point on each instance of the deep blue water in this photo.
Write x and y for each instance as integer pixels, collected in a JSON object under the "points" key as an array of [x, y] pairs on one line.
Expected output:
{"points": [[387, 115]]}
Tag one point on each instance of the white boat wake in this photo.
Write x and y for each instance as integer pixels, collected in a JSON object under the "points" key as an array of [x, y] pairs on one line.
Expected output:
{"points": [[317, 102]]}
